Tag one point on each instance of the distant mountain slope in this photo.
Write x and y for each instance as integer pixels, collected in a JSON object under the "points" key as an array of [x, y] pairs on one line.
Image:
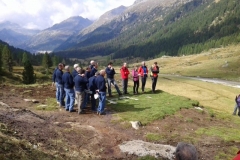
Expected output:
{"points": [[172, 27], [14, 34], [52, 37]]}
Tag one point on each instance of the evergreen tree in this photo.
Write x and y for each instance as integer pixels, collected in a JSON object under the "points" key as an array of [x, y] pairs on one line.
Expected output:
{"points": [[24, 58], [55, 60], [46, 62], [28, 73], [7, 59]]}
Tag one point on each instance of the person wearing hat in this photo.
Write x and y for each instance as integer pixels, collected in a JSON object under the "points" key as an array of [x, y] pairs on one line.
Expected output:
{"points": [[74, 73], [154, 75]]}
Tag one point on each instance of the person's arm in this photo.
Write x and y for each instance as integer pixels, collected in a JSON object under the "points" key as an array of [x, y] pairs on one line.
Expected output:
{"points": [[155, 71]]}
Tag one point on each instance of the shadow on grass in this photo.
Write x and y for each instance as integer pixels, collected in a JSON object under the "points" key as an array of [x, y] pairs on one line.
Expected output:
{"points": [[156, 92], [127, 107]]}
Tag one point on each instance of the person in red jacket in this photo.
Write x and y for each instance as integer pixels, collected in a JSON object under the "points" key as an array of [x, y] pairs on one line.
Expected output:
{"points": [[143, 72], [124, 73], [237, 156]]}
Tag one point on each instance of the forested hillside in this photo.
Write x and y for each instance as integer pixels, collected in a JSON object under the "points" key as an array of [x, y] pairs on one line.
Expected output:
{"points": [[191, 28]]}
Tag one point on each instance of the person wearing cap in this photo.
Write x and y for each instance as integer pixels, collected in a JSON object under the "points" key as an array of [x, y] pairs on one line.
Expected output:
{"points": [[101, 89], [185, 151], [68, 88], [154, 75], [110, 79], [92, 88], [80, 82], [74, 72], [143, 72], [60, 90], [124, 74]]}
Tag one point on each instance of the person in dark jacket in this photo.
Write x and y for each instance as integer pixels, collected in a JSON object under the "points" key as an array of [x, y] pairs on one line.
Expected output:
{"points": [[110, 79], [154, 75], [55, 83], [135, 80], [80, 82], [74, 72], [93, 70], [237, 105], [87, 75], [101, 89], [92, 88], [59, 81], [68, 88]]}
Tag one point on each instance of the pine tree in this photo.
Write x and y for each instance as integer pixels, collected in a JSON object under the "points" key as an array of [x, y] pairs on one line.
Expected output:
{"points": [[28, 73], [24, 58], [46, 62], [55, 60], [7, 59]]}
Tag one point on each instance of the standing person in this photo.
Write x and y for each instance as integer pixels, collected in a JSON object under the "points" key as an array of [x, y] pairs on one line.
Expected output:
{"points": [[56, 85], [80, 85], [92, 87], [143, 72], [124, 74], [93, 70], [101, 89], [74, 72], [154, 75], [110, 79], [87, 75], [237, 105], [59, 81], [92, 62], [68, 88], [135, 80]]}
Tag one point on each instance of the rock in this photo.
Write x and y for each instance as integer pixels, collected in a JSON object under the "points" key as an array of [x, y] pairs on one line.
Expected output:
{"points": [[141, 148], [136, 124], [42, 106], [4, 105], [31, 100], [199, 108]]}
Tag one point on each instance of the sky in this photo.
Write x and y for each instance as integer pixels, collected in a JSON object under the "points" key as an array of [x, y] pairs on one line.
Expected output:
{"points": [[41, 14]]}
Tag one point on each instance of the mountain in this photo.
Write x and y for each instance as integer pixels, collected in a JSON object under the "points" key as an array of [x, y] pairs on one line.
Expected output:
{"points": [[14, 34], [104, 19], [151, 28], [51, 38]]}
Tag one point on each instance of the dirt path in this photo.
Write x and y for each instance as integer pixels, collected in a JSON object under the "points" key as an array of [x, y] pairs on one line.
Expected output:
{"points": [[67, 135]]}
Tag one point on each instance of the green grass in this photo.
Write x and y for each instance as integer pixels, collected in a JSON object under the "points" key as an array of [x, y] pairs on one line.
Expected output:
{"points": [[227, 134], [50, 105], [150, 107], [153, 137]]}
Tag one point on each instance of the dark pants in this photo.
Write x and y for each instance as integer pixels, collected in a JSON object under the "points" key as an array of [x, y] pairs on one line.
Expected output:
{"points": [[124, 85], [93, 102], [154, 82], [135, 86], [144, 79]]}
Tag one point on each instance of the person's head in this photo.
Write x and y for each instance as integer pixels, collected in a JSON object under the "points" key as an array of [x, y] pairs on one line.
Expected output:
{"points": [[124, 64], [75, 66], [97, 74], [88, 69], [60, 66], [79, 70], [110, 64], [135, 68], [102, 73], [185, 151], [155, 63], [92, 62], [67, 68], [143, 63], [82, 71]]}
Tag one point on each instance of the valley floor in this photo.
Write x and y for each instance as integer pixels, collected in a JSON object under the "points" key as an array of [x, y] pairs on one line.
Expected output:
{"points": [[29, 133]]}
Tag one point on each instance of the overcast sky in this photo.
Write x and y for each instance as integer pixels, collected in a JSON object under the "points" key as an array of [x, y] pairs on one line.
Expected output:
{"points": [[42, 14]]}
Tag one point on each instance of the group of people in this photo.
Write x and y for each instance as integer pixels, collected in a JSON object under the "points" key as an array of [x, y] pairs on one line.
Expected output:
{"points": [[82, 84]]}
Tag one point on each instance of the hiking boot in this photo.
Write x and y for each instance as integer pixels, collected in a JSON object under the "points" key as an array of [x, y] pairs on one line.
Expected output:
{"points": [[72, 110], [81, 112], [103, 113]]}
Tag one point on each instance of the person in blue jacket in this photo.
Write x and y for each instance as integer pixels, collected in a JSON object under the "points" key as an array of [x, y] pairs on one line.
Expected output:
{"points": [[110, 79], [54, 83], [60, 90], [74, 72], [80, 82], [92, 88], [68, 88], [101, 89], [93, 70]]}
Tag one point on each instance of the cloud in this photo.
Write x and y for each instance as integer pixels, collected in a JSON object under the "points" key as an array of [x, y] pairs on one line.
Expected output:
{"points": [[45, 13]]}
